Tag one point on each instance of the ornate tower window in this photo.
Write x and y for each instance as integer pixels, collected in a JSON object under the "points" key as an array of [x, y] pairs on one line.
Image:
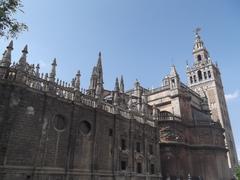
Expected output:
{"points": [[199, 75], [205, 75], [209, 74], [195, 79], [191, 79], [199, 58]]}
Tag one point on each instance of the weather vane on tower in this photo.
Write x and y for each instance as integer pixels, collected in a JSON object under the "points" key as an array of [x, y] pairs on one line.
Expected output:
{"points": [[197, 30]]}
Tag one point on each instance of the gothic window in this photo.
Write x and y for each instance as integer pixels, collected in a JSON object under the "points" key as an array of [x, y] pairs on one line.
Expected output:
{"points": [[199, 58], [152, 169], [139, 168], [199, 75], [205, 75], [191, 79], [123, 144], [123, 165], [194, 78], [173, 82], [209, 74], [150, 149], [138, 147]]}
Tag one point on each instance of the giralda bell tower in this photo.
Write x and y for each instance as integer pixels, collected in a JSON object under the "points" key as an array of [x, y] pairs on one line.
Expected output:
{"points": [[204, 77]]}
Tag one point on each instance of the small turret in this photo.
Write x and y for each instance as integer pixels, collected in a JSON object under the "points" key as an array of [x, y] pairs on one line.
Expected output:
{"points": [[137, 89], [174, 78], [52, 75], [7, 57]]}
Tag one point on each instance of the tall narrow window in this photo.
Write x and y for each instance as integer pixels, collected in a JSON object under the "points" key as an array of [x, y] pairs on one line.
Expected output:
{"points": [[199, 58], [200, 75], [123, 165], [152, 169], [205, 75], [138, 147], [139, 168], [194, 77], [209, 74], [123, 144], [191, 80], [150, 149]]}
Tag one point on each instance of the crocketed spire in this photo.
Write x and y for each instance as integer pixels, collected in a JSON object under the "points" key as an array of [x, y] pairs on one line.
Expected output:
{"points": [[7, 56], [121, 86]]}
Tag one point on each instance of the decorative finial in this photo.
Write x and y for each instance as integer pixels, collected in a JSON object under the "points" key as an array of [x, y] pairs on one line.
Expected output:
{"points": [[25, 49]]}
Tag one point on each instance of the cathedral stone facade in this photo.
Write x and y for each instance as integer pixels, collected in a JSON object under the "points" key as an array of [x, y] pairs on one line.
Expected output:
{"points": [[54, 130]]}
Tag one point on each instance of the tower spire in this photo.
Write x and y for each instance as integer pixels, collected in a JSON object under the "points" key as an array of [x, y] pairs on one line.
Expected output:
{"points": [[200, 52], [99, 68], [7, 57]]}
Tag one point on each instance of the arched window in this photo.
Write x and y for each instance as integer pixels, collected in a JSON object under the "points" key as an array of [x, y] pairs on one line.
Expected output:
{"points": [[191, 79], [199, 75], [199, 58], [194, 78], [209, 74]]}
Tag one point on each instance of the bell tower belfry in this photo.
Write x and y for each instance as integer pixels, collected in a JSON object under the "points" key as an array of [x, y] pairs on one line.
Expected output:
{"points": [[204, 77]]}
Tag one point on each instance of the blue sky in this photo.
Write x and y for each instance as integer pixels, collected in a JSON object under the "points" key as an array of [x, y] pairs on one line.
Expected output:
{"points": [[138, 39]]}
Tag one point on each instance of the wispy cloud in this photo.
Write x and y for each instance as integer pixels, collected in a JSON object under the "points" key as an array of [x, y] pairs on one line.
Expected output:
{"points": [[232, 96]]}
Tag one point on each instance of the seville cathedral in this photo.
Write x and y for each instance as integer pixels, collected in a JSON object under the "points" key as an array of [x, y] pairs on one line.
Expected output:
{"points": [[55, 130]]}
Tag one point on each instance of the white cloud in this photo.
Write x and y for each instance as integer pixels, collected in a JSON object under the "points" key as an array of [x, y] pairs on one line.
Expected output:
{"points": [[232, 96], [238, 153]]}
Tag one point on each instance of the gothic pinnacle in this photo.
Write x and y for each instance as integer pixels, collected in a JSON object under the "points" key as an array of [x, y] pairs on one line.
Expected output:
{"points": [[53, 71], [23, 58], [77, 81], [116, 85], [6, 59], [121, 86]]}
